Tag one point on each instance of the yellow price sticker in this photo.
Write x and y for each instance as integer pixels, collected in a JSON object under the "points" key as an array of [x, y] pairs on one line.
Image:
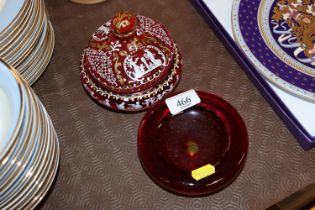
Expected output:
{"points": [[203, 172]]}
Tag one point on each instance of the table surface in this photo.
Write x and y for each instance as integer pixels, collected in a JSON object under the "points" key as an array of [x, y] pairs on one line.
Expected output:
{"points": [[99, 166]]}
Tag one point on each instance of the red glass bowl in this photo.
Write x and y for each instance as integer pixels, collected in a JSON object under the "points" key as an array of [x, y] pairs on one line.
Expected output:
{"points": [[170, 147]]}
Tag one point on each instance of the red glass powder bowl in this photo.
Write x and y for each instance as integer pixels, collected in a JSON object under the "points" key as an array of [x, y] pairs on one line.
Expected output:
{"points": [[131, 62], [211, 132]]}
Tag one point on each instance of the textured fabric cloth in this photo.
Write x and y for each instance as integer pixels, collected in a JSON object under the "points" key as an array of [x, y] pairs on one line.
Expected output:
{"points": [[99, 167]]}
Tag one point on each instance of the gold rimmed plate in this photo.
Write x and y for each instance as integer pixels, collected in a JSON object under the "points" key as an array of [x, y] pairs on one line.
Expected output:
{"points": [[12, 110], [43, 58], [17, 26], [20, 29], [37, 158], [277, 37], [25, 38], [10, 14], [36, 53], [40, 167], [27, 43], [43, 164], [49, 180], [46, 173], [10, 161], [26, 159]]}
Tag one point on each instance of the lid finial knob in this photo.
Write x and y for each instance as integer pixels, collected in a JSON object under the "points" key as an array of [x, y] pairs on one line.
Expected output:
{"points": [[124, 24]]}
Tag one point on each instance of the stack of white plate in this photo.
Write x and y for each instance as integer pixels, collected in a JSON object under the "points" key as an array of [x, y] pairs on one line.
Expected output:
{"points": [[29, 149], [26, 36]]}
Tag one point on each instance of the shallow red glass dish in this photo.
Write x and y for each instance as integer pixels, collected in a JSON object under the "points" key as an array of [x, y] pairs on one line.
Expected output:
{"points": [[170, 147]]}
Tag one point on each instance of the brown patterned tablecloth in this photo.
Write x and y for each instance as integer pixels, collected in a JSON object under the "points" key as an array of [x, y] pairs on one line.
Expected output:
{"points": [[99, 166]]}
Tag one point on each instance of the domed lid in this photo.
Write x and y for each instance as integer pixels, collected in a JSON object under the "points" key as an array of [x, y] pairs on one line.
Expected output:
{"points": [[129, 54]]}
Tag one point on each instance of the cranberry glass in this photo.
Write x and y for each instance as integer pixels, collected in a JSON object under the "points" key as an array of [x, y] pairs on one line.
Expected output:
{"points": [[170, 147], [131, 63]]}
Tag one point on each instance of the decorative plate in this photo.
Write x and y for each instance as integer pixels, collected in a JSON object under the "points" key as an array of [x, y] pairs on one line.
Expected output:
{"points": [[278, 36]]}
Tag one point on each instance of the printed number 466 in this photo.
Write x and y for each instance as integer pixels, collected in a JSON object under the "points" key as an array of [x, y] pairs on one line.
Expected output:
{"points": [[183, 101]]}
